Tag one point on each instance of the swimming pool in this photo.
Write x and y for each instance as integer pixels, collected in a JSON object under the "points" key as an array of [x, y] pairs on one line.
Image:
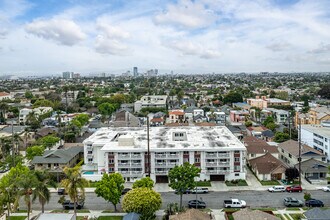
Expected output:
{"points": [[88, 172]]}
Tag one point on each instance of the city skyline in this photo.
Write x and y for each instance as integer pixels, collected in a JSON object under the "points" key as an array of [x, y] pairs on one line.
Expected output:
{"points": [[185, 36]]}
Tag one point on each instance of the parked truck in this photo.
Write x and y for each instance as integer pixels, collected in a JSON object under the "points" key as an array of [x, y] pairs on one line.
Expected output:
{"points": [[234, 203]]}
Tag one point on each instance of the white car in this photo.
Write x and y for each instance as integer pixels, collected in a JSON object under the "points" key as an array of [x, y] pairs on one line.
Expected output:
{"points": [[326, 189], [276, 189]]}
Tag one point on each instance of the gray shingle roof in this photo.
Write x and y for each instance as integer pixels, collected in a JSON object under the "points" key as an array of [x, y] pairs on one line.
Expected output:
{"points": [[317, 214], [61, 156]]}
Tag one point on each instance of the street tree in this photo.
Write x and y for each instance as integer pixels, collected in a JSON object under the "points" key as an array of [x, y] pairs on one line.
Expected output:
{"points": [[110, 188], [182, 178], [26, 182], [144, 182], [143, 201], [48, 141], [41, 191], [291, 173], [33, 151], [281, 137], [74, 184]]}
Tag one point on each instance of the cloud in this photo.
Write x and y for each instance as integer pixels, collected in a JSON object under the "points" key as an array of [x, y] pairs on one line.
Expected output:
{"points": [[279, 46], [3, 33], [322, 48], [62, 31], [110, 40], [187, 14], [186, 47]]}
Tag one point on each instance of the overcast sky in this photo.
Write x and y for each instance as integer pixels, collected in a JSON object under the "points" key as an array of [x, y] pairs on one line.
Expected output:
{"points": [[52, 36]]}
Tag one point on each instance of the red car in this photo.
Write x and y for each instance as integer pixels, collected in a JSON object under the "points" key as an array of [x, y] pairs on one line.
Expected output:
{"points": [[294, 189]]}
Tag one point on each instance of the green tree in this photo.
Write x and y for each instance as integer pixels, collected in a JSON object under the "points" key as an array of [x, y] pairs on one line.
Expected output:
{"points": [[82, 118], [41, 191], [281, 137], [272, 126], [144, 201], [233, 97], [28, 95], [269, 119], [106, 109], [144, 182], [43, 103], [33, 151], [248, 123], [110, 188], [48, 141], [182, 178], [26, 182], [291, 173], [74, 184]]}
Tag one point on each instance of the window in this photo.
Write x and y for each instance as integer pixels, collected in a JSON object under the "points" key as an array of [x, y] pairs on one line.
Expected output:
{"points": [[56, 165], [90, 152], [90, 159], [282, 151], [111, 169], [197, 160], [49, 165], [110, 153], [236, 174], [236, 151], [253, 155], [237, 168], [185, 152], [290, 155], [237, 159], [111, 161]]}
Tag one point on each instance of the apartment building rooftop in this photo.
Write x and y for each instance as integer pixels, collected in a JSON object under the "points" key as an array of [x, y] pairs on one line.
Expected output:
{"points": [[165, 138], [318, 129]]}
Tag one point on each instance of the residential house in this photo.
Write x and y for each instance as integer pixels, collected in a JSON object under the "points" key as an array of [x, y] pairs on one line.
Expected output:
{"points": [[317, 214], [199, 118], [268, 167], [158, 119], [217, 117], [125, 119], [267, 135], [176, 116], [155, 101], [58, 159], [42, 132], [256, 147], [256, 131], [239, 116], [198, 112], [318, 137], [289, 152], [5, 95], [314, 170], [248, 214]]}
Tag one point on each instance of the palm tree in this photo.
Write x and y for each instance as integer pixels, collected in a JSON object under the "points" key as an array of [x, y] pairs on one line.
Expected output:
{"points": [[74, 184], [26, 182], [41, 190]]}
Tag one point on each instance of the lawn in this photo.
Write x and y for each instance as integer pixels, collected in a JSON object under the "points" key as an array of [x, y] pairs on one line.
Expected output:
{"points": [[21, 211], [269, 183], [236, 183], [17, 217], [60, 211], [297, 216], [280, 216], [203, 183]]}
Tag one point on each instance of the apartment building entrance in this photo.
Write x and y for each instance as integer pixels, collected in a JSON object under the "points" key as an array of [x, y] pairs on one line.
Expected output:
{"points": [[217, 177], [161, 179]]}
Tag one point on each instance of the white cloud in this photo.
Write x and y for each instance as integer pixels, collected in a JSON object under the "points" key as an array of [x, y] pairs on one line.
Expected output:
{"points": [[62, 31], [186, 47], [322, 48], [188, 14], [110, 40], [279, 46]]}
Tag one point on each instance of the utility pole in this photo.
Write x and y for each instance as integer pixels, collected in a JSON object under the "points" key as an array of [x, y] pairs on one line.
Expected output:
{"points": [[148, 140], [299, 144]]}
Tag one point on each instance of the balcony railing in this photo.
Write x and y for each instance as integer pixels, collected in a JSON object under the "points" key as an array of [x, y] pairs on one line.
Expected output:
{"points": [[160, 155], [211, 155], [217, 171], [124, 156], [89, 147], [89, 155]]}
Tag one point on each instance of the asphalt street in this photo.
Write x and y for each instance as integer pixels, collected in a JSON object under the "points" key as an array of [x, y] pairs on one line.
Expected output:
{"points": [[213, 200]]}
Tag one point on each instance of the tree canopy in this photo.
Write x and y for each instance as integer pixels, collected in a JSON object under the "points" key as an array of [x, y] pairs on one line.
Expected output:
{"points": [[144, 201], [110, 188], [233, 97], [144, 182], [33, 151]]}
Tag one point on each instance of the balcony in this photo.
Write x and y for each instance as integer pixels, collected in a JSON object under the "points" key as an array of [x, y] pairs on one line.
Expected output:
{"points": [[211, 164], [124, 165], [172, 155], [89, 155], [223, 155], [217, 171], [124, 156], [160, 155], [211, 155], [161, 171], [136, 156], [136, 165], [89, 147]]}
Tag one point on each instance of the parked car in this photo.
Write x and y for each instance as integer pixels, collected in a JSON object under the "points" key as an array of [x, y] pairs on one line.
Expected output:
{"points": [[70, 205], [292, 202], [314, 203], [234, 203], [126, 190], [188, 191], [61, 191], [326, 189], [294, 189], [276, 189], [199, 190], [196, 203]]}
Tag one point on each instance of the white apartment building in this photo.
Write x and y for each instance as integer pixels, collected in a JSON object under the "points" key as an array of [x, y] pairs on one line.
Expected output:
{"points": [[215, 150], [318, 137], [156, 101]]}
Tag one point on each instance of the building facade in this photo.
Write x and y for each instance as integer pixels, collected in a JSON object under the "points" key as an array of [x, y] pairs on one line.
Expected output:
{"points": [[153, 101], [318, 137], [215, 150]]}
